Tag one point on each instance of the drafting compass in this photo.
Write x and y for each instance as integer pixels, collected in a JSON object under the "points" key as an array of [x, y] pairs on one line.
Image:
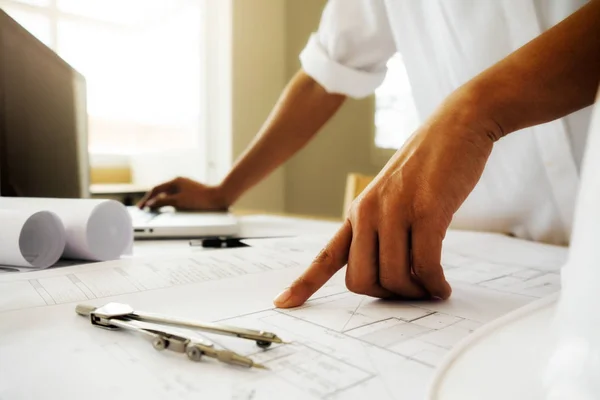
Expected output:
{"points": [[122, 316]]}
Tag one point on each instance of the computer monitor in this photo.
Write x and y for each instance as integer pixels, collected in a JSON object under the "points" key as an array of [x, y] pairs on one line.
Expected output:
{"points": [[43, 119]]}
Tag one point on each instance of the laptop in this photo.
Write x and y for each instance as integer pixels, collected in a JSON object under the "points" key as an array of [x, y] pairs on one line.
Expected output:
{"points": [[172, 224]]}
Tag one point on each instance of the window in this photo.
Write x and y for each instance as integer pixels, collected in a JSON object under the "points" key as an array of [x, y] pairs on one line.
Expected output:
{"points": [[143, 62], [396, 116]]}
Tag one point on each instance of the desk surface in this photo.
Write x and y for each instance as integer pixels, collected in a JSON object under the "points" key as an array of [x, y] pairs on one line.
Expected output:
{"points": [[339, 345]]}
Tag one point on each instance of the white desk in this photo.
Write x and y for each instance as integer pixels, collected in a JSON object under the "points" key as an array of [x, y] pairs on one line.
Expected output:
{"points": [[507, 359], [44, 367], [339, 345]]}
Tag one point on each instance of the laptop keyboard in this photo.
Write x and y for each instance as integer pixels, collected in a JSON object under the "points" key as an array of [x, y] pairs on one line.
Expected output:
{"points": [[140, 216]]}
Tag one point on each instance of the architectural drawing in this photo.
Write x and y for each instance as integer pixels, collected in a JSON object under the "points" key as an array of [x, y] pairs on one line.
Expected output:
{"points": [[341, 345]]}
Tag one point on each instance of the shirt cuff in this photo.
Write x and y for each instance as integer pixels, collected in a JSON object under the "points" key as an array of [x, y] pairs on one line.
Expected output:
{"points": [[335, 77]]}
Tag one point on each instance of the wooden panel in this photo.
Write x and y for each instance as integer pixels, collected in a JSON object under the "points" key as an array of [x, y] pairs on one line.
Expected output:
{"points": [[110, 175]]}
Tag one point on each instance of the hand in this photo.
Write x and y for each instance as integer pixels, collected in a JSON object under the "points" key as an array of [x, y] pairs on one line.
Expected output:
{"points": [[392, 240], [185, 194]]}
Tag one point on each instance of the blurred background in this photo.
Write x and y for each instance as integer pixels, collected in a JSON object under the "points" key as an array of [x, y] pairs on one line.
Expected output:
{"points": [[180, 87]]}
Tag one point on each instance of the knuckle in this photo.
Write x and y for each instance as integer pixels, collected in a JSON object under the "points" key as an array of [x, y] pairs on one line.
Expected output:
{"points": [[393, 284], [387, 282], [432, 211], [423, 271], [434, 224], [326, 261], [356, 286], [324, 257], [351, 284], [363, 209], [424, 207]]}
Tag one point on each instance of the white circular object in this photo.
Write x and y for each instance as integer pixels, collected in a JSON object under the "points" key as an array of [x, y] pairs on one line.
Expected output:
{"points": [[505, 359]]}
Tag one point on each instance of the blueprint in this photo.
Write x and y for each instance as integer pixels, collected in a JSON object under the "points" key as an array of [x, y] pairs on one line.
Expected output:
{"points": [[341, 345]]}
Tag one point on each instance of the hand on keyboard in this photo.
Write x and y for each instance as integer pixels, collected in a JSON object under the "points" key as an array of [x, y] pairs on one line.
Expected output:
{"points": [[185, 194]]}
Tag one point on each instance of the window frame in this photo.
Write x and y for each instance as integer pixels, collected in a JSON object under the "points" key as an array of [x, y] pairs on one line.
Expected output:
{"points": [[381, 155], [215, 81]]}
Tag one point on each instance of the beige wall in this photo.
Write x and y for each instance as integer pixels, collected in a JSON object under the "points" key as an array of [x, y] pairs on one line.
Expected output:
{"points": [[268, 36], [259, 75], [315, 178]]}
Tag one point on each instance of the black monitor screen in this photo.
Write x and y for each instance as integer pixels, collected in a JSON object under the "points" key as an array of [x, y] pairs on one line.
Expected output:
{"points": [[43, 119]]}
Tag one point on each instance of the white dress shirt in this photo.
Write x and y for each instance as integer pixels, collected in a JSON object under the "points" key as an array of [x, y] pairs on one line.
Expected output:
{"points": [[549, 349], [530, 182]]}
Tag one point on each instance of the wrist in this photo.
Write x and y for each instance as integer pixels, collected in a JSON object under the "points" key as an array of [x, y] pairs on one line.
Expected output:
{"points": [[473, 107], [224, 194]]}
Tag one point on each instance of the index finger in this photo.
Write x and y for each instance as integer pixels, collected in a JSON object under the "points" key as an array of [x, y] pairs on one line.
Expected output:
{"points": [[329, 261]]}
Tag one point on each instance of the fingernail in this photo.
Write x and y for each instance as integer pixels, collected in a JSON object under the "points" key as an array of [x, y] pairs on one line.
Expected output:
{"points": [[283, 297]]}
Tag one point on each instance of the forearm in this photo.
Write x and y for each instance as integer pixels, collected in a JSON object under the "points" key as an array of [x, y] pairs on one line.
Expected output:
{"points": [[552, 76], [303, 108]]}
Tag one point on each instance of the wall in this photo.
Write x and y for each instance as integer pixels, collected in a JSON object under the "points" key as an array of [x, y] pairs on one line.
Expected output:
{"points": [[267, 37], [315, 178], [259, 76]]}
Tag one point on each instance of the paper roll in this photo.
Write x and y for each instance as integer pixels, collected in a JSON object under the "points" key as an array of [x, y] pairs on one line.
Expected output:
{"points": [[96, 230], [30, 239]]}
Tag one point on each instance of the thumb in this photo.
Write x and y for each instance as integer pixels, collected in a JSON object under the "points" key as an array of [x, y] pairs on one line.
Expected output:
{"points": [[330, 260]]}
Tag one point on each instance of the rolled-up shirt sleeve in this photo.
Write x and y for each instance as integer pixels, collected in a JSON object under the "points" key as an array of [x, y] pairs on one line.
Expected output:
{"points": [[349, 52]]}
